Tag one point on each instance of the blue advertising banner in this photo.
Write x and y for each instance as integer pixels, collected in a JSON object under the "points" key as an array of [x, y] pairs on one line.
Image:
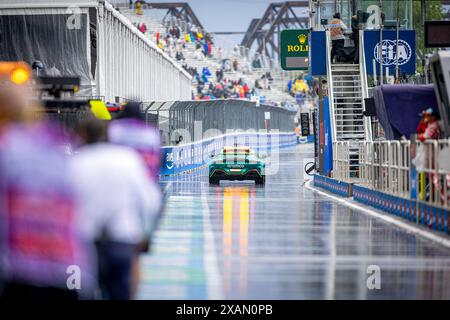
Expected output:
{"points": [[406, 51], [318, 54], [188, 157], [328, 143]]}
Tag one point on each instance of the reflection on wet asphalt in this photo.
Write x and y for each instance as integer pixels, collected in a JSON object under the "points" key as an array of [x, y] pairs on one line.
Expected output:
{"points": [[282, 241]]}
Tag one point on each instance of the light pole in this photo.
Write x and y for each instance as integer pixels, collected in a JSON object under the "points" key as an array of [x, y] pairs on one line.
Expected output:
{"points": [[396, 40], [380, 47]]}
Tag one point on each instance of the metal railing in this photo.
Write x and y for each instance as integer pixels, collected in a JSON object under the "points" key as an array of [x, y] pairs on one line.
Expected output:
{"points": [[433, 172], [382, 165], [341, 160], [385, 166]]}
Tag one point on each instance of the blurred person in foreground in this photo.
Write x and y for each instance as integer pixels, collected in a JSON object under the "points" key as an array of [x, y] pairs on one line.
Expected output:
{"points": [[130, 130], [119, 206], [42, 253]]}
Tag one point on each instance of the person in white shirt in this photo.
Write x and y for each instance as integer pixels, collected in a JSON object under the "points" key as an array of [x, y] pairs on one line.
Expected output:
{"points": [[119, 206]]}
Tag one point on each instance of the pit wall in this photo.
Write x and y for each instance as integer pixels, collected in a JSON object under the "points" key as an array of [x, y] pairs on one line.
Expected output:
{"points": [[189, 157]]}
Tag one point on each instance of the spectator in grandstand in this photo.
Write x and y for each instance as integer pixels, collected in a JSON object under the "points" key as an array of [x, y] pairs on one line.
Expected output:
{"points": [[138, 6], [205, 48], [161, 44], [194, 33], [256, 64], [206, 72], [192, 71], [120, 224], [175, 32], [219, 54], [226, 65], [246, 90], [42, 255], [219, 75], [258, 84], [236, 51], [209, 48], [245, 67], [187, 38], [179, 56], [290, 86], [209, 38], [299, 87], [198, 54], [180, 44], [235, 65], [265, 81], [143, 28], [337, 28]]}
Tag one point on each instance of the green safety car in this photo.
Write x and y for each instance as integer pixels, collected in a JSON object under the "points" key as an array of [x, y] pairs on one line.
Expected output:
{"points": [[237, 163]]}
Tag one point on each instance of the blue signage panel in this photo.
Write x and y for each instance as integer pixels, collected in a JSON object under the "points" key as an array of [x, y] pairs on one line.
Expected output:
{"points": [[406, 51], [318, 53], [167, 163]]}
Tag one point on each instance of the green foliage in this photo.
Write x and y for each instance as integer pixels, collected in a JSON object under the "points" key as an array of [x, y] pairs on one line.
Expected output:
{"points": [[433, 10]]}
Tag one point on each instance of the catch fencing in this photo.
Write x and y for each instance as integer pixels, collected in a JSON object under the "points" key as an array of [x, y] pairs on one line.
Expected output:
{"points": [[199, 120]]}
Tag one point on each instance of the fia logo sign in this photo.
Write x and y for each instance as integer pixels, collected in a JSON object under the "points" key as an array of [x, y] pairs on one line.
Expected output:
{"points": [[389, 51]]}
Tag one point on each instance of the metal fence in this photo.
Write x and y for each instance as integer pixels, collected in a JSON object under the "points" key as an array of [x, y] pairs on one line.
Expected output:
{"points": [[432, 163], [197, 120], [341, 160], [387, 166]]}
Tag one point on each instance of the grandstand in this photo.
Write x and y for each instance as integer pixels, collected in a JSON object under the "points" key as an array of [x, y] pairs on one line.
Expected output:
{"points": [[272, 91]]}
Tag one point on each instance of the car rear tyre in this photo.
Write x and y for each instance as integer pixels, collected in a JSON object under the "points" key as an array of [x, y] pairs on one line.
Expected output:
{"points": [[213, 180], [261, 180]]}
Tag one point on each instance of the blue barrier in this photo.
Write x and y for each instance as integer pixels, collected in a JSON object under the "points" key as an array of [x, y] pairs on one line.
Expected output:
{"points": [[189, 157], [341, 188], [409, 209]]}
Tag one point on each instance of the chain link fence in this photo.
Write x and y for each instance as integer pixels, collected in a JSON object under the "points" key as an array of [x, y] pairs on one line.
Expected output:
{"points": [[197, 120]]}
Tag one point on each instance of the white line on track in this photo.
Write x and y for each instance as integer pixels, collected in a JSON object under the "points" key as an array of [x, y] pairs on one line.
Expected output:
{"points": [[213, 277], [395, 221]]}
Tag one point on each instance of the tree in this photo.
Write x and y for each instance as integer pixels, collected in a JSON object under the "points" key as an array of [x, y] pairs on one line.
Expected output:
{"points": [[433, 11]]}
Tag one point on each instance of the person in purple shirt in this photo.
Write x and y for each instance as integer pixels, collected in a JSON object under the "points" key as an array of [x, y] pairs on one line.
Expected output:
{"points": [[43, 254], [130, 130]]}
